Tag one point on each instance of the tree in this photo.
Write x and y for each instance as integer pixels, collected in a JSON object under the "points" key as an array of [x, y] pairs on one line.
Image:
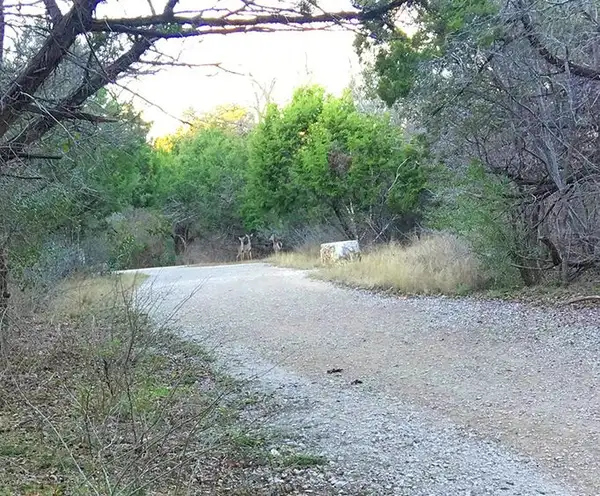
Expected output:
{"points": [[360, 167], [512, 86], [273, 196], [55, 59], [201, 183], [319, 158]]}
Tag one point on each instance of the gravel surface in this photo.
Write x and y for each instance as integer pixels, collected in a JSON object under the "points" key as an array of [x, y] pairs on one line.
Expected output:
{"points": [[437, 396]]}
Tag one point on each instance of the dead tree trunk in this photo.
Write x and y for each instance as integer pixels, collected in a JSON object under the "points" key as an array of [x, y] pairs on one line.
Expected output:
{"points": [[4, 297]]}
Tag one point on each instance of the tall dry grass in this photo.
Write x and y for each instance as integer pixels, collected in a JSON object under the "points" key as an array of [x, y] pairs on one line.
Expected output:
{"points": [[305, 257], [435, 264]]}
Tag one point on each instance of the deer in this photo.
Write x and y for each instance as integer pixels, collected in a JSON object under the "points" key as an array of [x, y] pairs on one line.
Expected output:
{"points": [[245, 249], [277, 245]]}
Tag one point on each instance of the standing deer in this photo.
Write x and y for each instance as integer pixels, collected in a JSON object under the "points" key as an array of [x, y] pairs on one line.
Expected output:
{"points": [[277, 244], [245, 248]]}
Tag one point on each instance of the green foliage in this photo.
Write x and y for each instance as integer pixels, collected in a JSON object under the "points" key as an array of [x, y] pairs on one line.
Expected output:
{"points": [[139, 238], [393, 69], [52, 221], [272, 195], [477, 207], [319, 157], [445, 19], [202, 177]]}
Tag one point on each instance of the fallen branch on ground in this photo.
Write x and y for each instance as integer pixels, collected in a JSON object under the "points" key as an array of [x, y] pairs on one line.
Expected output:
{"points": [[581, 299]]}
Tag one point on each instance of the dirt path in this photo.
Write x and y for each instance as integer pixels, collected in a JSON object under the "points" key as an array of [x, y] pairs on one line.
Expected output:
{"points": [[457, 396]]}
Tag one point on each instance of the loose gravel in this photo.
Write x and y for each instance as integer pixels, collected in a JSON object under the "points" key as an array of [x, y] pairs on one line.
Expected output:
{"points": [[437, 396]]}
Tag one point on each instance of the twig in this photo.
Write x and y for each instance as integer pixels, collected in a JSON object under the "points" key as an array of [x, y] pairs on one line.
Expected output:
{"points": [[581, 299]]}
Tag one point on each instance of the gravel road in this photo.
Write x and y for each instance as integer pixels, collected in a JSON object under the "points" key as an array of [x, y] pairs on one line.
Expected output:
{"points": [[437, 396]]}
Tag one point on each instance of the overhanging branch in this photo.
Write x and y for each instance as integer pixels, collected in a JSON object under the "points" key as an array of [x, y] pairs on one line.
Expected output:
{"points": [[552, 59], [69, 114], [170, 26]]}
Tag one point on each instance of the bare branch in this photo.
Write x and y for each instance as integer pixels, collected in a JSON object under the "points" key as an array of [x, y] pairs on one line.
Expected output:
{"points": [[2, 31], [581, 299], [17, 176], [71, 103], [53, 11], [69, 114], [45, 61], [161, 26], [552, 59]]}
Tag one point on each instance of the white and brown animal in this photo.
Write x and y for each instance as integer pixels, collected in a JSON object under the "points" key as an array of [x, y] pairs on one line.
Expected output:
{"points": [[277, 244], [245, 248]]}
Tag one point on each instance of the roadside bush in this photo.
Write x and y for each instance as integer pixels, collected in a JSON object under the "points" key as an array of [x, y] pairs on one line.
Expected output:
{"points": [[139, 239], [476, 207], [44, 266], [113, 403]]}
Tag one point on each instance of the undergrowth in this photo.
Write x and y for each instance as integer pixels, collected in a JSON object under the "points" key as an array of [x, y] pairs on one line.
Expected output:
{"points": [[99, 400]]}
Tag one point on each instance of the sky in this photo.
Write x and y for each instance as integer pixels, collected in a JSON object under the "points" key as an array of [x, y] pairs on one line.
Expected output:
{"points": [[288, 59]]}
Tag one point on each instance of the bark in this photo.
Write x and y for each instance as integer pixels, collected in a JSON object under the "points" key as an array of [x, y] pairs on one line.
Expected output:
{"points": [[4, 298]]}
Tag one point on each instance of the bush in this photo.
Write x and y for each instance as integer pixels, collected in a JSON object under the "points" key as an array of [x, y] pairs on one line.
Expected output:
{"points": [[436, 263], [49, 263], [477, 208], [139, 239]]}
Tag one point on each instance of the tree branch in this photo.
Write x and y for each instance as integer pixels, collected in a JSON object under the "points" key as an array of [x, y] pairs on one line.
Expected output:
{"points": [[44, 62], [29, 155], [78, 96], [161, 26], [552, 59], [2, 31], [69, 114], [53, 11]]}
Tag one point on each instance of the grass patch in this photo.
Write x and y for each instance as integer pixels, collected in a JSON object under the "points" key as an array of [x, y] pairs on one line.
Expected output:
{"points": [[435, 264], [80, 295], [439, 264], [296, 260], [102, 401]]}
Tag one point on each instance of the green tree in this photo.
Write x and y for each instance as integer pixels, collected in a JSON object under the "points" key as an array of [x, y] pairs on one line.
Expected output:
{"points": [[359, 167], [320, 158], [201, 182], [273, 196]]}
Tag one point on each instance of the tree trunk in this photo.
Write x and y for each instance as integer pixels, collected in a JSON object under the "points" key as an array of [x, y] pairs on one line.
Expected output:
{"points": [[4, 296], [347, 229]]}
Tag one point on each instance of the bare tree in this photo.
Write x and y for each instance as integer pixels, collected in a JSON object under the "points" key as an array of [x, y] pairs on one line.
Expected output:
{"points": [[526, 106]]}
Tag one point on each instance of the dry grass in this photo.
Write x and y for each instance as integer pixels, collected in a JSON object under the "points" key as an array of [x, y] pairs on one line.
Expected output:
{"points": [[97, 399], [306, 257], [80, 295], [436, 264]]}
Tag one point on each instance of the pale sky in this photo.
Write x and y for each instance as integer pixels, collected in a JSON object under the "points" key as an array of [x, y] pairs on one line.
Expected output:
{"points": [[290, 58]]}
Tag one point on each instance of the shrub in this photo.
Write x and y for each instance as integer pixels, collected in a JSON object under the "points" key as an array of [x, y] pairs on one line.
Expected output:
{"points": [[139, 239], [477, 208]]}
